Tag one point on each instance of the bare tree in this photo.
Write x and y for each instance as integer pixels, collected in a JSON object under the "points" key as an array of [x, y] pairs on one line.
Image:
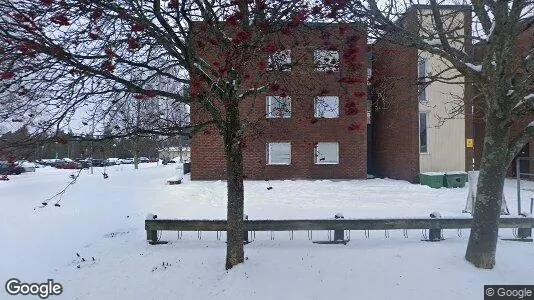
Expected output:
{"points": [[502, 75], [67, 63]]}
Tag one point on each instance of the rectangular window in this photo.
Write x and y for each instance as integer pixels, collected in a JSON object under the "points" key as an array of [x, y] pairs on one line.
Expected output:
{"points": [[423, 81], [326, 153], [423, 132], [279, 153], [280, 61], [327, 107], [278, 107], [326, 60]]}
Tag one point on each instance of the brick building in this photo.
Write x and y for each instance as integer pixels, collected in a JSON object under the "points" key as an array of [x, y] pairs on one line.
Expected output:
{"points": [[313, 125], [410, 134], [318, 126]]}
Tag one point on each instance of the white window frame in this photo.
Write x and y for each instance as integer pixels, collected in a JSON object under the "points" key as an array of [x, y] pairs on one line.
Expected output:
{"points": [[270, 108], [279, 61], [326, 107], [422, 79], [279, 144], [319, 57], [320, 159], [427, 134]]}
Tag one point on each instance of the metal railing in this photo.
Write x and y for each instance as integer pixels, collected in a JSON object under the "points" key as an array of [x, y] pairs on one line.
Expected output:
{"points": [[152, 226]]}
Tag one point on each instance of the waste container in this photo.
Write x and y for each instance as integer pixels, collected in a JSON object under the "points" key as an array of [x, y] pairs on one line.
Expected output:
{"points": [[455, 179], [431, 179]]}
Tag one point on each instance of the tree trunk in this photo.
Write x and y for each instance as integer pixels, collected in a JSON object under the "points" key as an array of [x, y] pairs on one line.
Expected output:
{"points": [[484, 230], [234, 165], [136, 152], [234, 248]]}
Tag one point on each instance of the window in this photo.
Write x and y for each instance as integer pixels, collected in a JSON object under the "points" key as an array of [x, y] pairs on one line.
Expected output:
{"points": [[422, 73], [326, 153], [278, 107], [326, 60], [423, 132], [280, 60], [279, 153], [327, 107]]}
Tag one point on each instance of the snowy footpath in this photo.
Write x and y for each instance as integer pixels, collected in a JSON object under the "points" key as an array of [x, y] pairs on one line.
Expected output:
{"points": [[94, 243]]}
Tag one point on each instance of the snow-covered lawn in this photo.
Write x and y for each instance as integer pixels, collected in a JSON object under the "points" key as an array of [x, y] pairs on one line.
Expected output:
{"points": [[104, 219]]}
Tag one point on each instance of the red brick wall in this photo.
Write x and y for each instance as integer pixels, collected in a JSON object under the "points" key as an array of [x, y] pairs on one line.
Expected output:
{"points": [[396, 113], [525, 43], [302, 84]]}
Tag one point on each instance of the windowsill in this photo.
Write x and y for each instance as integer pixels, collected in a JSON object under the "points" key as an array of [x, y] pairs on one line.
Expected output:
{"points": [[269, 117], [271, 164], [327, 163], [327, 117], [424, 153]]}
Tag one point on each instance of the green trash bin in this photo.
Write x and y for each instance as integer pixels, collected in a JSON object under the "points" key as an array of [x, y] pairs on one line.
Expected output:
{"points": [[431, 179], [455, 179]]}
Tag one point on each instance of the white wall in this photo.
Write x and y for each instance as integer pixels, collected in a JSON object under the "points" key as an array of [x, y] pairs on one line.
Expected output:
{"points": [[446, 138]]}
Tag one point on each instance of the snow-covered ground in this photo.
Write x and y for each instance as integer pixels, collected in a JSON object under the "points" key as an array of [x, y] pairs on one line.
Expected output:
{"points": [[104, 219]]}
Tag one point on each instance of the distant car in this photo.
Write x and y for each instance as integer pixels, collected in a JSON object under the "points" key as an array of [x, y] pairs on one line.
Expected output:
{"points": [[98, 162], [4, 168], [85, 163], [167, 161], [49, 162], [127, 160], [144, 159], [26, 165], [7, 168], [72, 165], [113, 161]]}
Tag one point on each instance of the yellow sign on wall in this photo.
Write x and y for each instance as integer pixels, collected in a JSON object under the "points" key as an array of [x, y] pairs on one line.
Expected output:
{"points": [[469, 143]]}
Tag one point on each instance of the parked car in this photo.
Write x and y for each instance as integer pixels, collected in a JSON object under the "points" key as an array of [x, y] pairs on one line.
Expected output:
{"points": [[72, 165], [49, 162], [127, 160], [7, 168], [113, 161], [98, 162], [144, 159], [4, 168], [86, 163], [26, 165]]}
